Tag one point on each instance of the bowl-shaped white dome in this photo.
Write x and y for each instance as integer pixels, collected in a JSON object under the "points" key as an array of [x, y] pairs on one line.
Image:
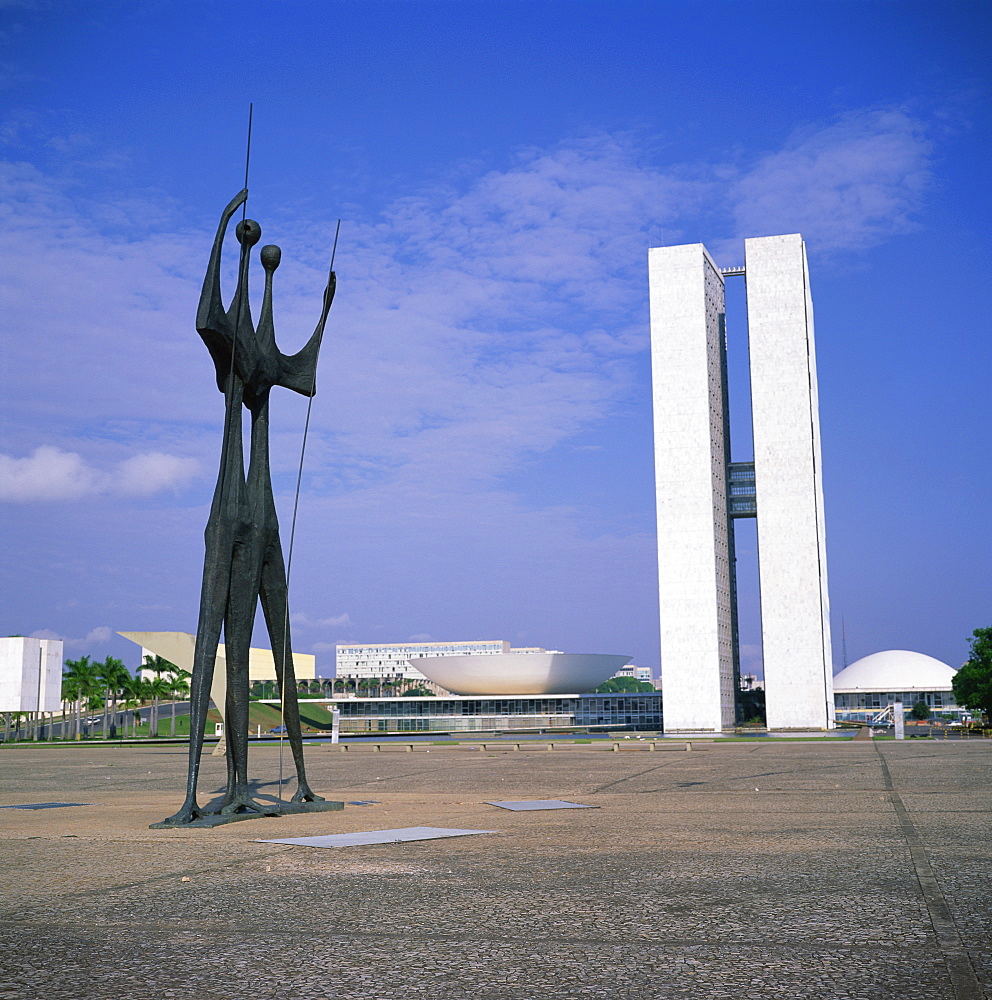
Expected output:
{"points": [[520, 673], [895, 670]]}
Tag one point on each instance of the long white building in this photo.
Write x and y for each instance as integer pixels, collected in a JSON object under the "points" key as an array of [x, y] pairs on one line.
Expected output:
{"points": [[701, 490], [390, 659]]}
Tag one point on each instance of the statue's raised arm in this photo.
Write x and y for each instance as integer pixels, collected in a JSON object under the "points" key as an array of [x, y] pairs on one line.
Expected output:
{"points": [[299, 371], [212, 321]]}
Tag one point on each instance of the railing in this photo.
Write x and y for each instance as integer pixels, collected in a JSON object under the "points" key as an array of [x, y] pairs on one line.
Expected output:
{"points": [[886, 715]]}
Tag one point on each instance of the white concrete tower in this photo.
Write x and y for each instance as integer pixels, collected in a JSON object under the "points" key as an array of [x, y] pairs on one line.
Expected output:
{"points": [[792, 558], [690, 420], [700, 490]]}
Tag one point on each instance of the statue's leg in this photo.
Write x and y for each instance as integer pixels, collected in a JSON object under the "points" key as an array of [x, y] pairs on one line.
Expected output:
{"points": [[275, 598], [213, 599], [237, 642], [228, 714]]}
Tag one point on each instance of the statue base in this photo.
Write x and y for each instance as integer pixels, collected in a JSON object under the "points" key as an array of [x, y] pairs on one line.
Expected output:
{"points": [[280, 809]]}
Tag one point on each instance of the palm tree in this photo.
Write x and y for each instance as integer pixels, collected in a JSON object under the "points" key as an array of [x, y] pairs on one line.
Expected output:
{"points": [[68, 697], [132, 692], [112, 674], [84, 686], [158, 689], [11, 717], [145, 695], [178, 688], [158, 665]]}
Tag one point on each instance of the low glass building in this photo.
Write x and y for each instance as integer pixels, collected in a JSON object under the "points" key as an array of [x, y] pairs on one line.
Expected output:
{"points": [[481, 714]]}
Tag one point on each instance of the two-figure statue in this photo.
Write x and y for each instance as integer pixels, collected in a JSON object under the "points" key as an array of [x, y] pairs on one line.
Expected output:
{"points": [[244, 561]]}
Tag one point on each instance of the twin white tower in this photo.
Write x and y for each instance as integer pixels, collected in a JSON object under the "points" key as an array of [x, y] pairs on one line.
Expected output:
{"points": [[701, 490]]}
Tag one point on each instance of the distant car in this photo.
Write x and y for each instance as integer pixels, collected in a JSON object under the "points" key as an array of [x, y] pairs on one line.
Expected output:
{"points": [[278, 729]]}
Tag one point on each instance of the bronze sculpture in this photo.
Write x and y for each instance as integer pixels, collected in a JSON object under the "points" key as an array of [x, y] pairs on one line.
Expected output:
{"points": [[244, 562]]}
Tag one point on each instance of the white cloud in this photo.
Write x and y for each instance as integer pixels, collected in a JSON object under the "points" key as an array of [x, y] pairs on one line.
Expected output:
{"points": [[48, 474], [45, 633], [143, 475], [303, 620], [98, 636], [848, 185], [52, 474], [479, 325], [479, 322]]}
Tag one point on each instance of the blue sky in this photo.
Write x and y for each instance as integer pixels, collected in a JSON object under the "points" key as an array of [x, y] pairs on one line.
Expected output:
{"points": [[479, 464]]}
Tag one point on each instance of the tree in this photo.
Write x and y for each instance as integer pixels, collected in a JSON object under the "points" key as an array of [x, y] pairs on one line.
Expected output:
{"points": [[920, 711], [15, 718], [113, 676], [83, 682], [751, 706], [159, 665], [158, 688], [133, 692], [972, 684], [624, 685], [178, 688]]}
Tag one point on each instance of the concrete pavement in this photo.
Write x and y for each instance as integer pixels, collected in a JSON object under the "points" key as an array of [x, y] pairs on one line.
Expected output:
{"points": [[797, 870]]}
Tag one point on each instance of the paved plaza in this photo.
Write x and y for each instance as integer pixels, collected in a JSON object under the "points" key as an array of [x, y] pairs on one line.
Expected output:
{"points": [[773, 869]]}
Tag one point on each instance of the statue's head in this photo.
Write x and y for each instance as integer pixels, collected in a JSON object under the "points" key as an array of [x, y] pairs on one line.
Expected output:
{"points": [[270, 256], [249, 232]]}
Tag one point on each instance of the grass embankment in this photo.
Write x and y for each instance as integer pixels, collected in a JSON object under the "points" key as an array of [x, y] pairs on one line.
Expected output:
{"points": [[314, 718]]}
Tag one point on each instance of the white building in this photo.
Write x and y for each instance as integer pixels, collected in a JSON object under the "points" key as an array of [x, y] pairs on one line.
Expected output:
{"points": [[521, 672], [30, 674], [701, 490], [638, 673], [870, 685], [179, 647], [389, 660]]}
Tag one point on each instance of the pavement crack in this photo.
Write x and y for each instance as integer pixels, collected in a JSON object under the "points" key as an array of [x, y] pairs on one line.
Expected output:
{"points": [[964, 981], [164, 877], [630, 777]]}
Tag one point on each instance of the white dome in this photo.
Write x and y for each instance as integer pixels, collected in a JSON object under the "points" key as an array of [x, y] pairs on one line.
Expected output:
{"points": [[520, 673], [895, 670]]}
